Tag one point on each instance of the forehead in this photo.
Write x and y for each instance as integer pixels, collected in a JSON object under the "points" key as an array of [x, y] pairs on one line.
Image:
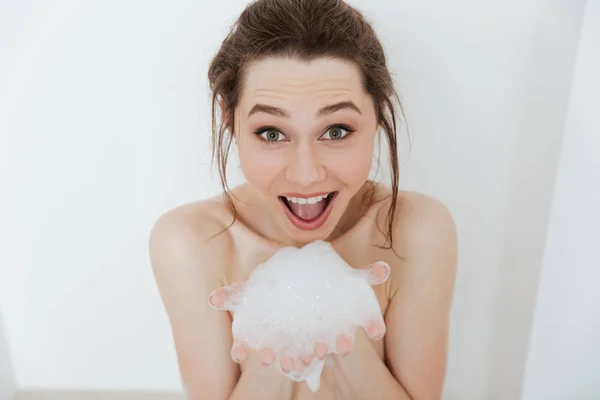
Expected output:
{"points": [[282, 79]]}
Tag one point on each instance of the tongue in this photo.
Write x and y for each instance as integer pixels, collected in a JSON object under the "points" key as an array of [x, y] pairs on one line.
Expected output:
{"points": [[308, 212]]}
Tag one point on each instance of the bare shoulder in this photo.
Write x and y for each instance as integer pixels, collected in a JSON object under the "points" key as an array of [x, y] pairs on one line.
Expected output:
{"points": [[189, 252], [425, 238], [422, 220], [419, 220], [416, 343], [191, 236]]}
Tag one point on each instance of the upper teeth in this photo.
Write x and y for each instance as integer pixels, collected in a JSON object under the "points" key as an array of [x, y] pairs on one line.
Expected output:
{"points": [[302, 200]]}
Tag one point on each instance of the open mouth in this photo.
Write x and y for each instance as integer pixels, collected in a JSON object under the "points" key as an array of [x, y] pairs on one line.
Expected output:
{"points": [[308, 213]]}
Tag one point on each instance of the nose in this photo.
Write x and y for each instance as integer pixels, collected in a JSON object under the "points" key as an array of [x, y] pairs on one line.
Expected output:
{"points": [[305, 167]]}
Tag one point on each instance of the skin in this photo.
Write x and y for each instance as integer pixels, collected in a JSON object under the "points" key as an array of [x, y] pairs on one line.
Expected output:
{"points": [[410, 361], [304, 159], [374, 274]]}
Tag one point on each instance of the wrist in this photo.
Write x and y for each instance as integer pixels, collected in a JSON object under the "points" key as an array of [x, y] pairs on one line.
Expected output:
{"points": [[262, 382]]}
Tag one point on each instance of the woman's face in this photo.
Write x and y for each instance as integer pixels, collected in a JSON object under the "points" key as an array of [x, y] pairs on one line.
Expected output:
{"points": [[305, 134]]}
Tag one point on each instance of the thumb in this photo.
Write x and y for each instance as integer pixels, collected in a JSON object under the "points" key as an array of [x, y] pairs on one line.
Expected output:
{"points": [[227, 297]]}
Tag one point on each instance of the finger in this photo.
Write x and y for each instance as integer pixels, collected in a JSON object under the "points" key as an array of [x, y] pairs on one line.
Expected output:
{"points": [[226, 297], [378, 272], [375, 273], [217, 298], [307, 359], [267, 356], [239, 352], [300, 366], [320, 350], [344, 344], [287, 364], [376, 329], [299, 369]]}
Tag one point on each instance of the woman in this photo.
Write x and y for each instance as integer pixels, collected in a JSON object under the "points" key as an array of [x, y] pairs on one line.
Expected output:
{"points": [[303, 88]]}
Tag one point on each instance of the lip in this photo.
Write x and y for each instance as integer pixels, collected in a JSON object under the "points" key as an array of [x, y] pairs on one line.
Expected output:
{"points": [[308, 225]]}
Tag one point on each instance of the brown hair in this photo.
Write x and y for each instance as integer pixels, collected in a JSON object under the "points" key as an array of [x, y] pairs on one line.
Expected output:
{"points": [[304, 30]]}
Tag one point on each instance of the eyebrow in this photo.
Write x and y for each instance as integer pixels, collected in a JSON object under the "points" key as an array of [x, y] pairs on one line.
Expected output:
{"points": [[279, 112]]}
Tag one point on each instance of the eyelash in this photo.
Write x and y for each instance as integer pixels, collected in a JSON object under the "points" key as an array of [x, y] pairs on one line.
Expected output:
{"points": [[264, 129]]}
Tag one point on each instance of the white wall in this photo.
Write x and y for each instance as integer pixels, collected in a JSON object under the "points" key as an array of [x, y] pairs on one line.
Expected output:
{"points": [[7, 379], [564, 354], [546, 85], [105, 119]]}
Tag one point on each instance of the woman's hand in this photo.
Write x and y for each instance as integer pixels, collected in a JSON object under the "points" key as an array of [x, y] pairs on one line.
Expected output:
{"points": [[229, 297]]}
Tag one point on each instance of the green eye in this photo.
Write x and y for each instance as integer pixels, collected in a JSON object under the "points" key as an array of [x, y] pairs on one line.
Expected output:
{"points": [[272, 135], [337, 132]]}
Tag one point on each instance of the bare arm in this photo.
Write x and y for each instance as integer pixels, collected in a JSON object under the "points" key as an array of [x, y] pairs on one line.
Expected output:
{"points": [[417, 319], [186, 268]]}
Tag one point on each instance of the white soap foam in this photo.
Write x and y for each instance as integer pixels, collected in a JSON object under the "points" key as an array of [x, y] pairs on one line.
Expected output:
{"points": [[300, 296]]}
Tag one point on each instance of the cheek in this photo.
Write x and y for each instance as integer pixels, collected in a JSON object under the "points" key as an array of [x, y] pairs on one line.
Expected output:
{"points": [[260, 166], [353, 165]]}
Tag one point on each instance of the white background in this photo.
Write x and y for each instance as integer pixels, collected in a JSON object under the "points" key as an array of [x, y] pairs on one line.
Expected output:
{"points": [[564, 355], [105, 124]]}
